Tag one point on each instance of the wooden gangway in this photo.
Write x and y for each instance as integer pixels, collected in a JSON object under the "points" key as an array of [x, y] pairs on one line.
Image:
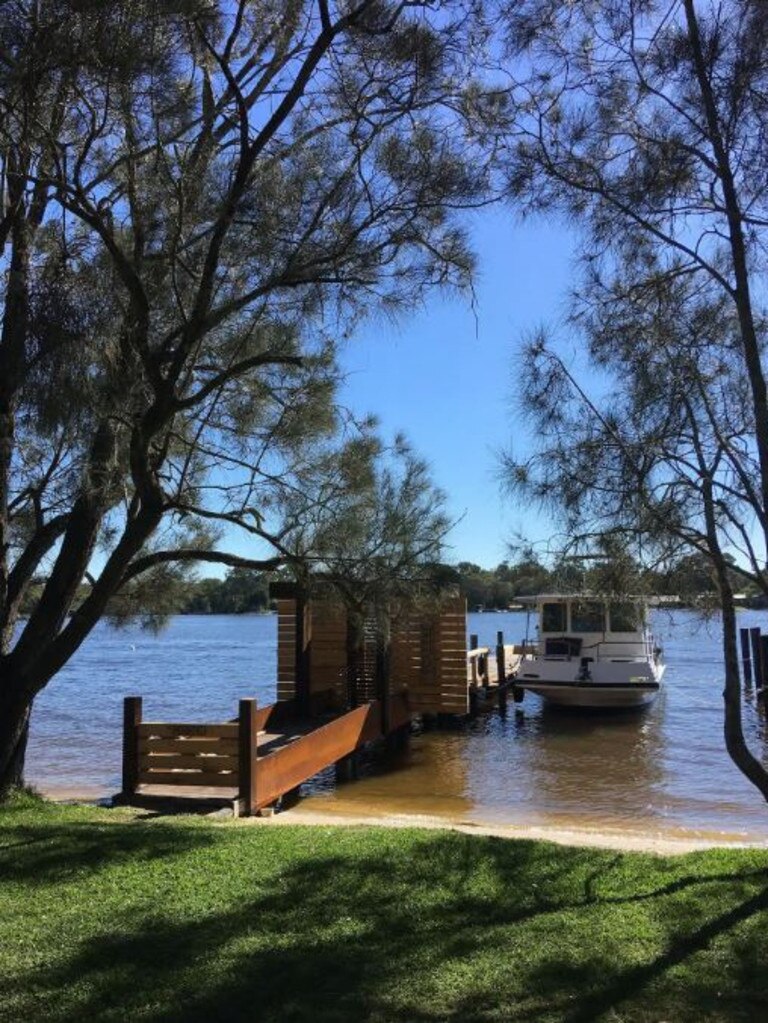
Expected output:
{"points": [[250, 762]]}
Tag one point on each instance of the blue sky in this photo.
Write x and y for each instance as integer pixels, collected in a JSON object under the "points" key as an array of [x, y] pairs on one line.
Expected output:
{"points": [[447, 377]]}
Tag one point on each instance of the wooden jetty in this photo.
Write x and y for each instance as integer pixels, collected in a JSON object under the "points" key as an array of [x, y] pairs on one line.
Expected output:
{"points": [[342, 684]]}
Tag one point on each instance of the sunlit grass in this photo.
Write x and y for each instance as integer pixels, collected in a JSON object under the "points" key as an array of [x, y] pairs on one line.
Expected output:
{"points": [[108, 916]]}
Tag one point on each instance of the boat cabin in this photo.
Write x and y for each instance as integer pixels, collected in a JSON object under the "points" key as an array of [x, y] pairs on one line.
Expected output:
{"points": [[575, 626]]}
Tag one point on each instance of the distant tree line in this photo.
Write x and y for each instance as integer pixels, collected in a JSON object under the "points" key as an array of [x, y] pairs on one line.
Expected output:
{"points": [[246, 591], [241, 591], [689, 578]]}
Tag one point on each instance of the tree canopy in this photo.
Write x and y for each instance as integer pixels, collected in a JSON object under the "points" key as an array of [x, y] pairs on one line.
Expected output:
{"points": [[646, 124], [199, 201]]}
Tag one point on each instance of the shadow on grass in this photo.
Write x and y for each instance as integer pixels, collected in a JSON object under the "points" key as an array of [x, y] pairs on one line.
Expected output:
{"points": [[53, 852], [383, 927]]}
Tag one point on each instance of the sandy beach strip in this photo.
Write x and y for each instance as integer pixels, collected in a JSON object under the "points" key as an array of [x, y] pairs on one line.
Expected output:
{"points": [[649, 839]]}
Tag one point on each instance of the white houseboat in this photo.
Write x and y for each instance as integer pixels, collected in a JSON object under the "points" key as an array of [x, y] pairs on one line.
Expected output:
{"points": [[591, 652]]}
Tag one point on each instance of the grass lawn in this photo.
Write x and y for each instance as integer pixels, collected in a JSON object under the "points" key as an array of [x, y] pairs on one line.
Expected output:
{"points": [[108, 916]]}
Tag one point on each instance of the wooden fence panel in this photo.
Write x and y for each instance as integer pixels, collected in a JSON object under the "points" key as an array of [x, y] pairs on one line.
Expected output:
{"points": [[328, 657], [432, 651]]}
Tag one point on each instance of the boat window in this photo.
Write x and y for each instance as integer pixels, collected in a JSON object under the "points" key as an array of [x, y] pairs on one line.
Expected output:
{"points": [[587, 616], [625, 617], [553, 617]]}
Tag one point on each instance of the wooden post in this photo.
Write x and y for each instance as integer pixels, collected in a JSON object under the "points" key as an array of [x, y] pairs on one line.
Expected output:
{"points": [[353, 660], [746, 663], [757, 658], [475, 664], [501, 670], [383, 661], [473, 702], [346, 768], [247, 755], [764, 658], [131, 721], [301, 689]]}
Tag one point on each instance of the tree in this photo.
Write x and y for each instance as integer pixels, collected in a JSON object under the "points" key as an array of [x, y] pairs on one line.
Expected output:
{"points": [[646, 123], [689, 577], [198, 200], [243, 590], [372, 528]]}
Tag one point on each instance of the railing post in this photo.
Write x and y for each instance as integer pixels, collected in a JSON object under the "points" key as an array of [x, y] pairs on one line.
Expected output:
{"points": [[131, 721], [247, 768]]}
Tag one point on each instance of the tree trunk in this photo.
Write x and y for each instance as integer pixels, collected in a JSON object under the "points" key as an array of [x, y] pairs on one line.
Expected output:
{"points": [[15, 715], [733, 730]]}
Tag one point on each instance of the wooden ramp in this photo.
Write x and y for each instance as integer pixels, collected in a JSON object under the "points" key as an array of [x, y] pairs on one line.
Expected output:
{"points": [[250, 762]]}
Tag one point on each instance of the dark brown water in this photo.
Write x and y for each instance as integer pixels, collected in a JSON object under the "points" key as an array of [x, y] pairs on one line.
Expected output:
{"points": [[664, 769]]}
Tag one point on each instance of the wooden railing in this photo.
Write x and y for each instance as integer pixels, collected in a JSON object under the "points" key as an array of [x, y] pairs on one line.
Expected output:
{"points": [[288, 767], [181, 753], [489, 665], [479, 667], [224, 756]]}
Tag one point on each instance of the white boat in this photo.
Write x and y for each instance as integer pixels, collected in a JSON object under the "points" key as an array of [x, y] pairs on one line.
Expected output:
{"points": [[591, 652]]}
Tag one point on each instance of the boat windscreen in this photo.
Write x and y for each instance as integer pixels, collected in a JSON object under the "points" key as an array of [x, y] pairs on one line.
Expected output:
{"points": [[625, 617], [553, 618], [587, 616]]}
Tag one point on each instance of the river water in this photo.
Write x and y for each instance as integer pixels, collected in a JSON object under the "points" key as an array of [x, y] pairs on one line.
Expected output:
{"points": [[663, 770]]}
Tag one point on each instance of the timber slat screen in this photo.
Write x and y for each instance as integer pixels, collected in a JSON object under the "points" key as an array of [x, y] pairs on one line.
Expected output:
{"points": [[327, 656], [428, 655]]}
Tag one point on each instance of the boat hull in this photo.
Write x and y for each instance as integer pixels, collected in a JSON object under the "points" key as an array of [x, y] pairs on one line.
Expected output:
{"points": [[594, 695], [610, 685]]}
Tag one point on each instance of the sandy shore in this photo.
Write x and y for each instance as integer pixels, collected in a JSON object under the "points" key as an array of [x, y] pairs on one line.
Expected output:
{"points": [[637, 839], [622, 840]]}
